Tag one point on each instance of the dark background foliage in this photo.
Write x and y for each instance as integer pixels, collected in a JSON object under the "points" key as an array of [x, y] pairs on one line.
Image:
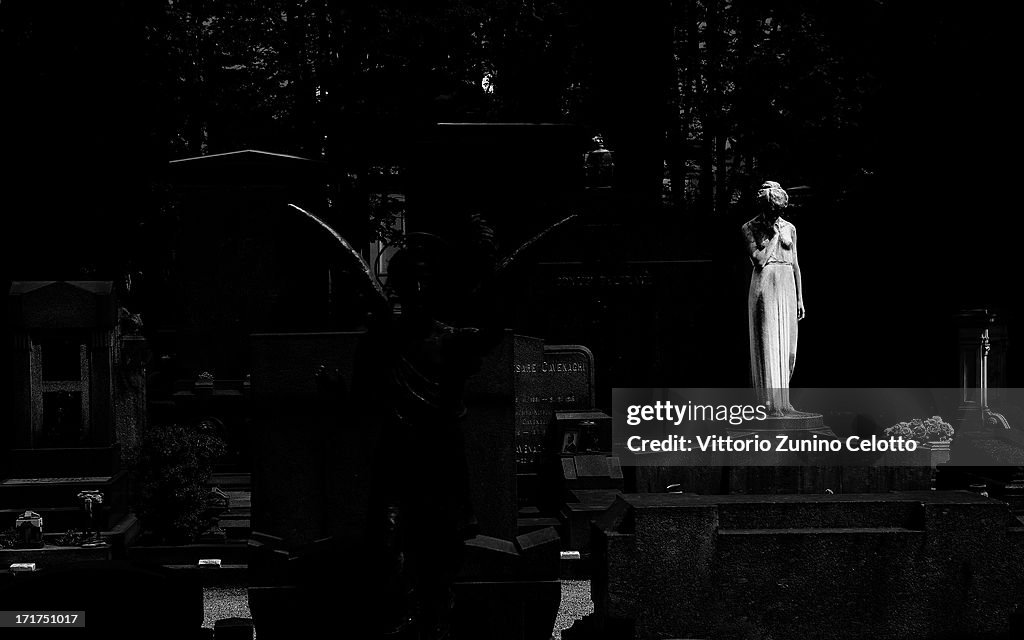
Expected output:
{"points": [[894, 115]]}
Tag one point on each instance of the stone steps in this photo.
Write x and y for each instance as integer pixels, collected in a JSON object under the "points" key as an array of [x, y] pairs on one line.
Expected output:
{"points": [[237, 520]]}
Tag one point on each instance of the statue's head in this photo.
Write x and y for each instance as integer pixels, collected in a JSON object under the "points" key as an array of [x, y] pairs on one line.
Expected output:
{"points": [[419, 273], [771, 199]]}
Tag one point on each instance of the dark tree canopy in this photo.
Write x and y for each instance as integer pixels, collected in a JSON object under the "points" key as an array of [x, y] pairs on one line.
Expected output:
{"points": [[857, 100]]}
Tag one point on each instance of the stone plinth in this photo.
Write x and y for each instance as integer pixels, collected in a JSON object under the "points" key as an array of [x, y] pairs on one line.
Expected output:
{"points": [[52, 557], [899, 565]]}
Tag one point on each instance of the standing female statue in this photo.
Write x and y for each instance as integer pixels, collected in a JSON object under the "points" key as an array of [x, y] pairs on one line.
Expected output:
{"points": [[775, 302]]}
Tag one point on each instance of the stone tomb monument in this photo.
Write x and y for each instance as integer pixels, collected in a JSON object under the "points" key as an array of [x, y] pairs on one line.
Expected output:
{"points": [[78, 396], [930, 564]]}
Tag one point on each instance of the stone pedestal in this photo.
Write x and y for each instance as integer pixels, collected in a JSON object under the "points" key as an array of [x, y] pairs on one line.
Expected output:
{"points": [[897, 565], [765, 473]]}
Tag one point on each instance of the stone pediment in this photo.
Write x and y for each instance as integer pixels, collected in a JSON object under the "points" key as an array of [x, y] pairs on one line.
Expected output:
{"points": [[245, 167], [62, 304]]}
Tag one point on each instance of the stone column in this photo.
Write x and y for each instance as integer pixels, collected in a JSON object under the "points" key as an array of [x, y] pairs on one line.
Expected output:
{"points": [[130, 394], [20, 435]]}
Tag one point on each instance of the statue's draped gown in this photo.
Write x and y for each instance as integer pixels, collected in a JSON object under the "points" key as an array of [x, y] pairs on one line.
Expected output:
{"points": [[772, 313]]}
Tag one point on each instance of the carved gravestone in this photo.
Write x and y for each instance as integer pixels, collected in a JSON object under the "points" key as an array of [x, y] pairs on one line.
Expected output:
{"points": [[549, 378], [560, 378]]}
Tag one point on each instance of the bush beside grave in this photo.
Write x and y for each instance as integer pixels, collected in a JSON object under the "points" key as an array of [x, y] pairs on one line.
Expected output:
{"points": [[8, 538], [173, 466]]}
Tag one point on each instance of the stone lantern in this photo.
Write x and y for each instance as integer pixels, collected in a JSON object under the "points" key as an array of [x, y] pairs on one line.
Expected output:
{"points": [[600, 164]]}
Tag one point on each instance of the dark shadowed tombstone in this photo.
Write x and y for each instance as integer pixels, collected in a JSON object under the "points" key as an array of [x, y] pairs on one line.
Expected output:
{"points": [[489, 433], [231, 259], [310, 460], [240, 263]]}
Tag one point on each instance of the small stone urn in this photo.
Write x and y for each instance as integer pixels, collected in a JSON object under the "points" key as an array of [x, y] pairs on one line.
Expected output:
{"points": [[29, 528]]}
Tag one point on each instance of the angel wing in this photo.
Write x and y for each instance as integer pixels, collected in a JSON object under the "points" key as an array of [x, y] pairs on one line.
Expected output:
{"points": [[488, 289], [376, 293], [353, 259], [508, 261]]}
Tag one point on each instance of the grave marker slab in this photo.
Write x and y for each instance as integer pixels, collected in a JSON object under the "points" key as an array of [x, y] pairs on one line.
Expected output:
{"points": [[549, 379]]}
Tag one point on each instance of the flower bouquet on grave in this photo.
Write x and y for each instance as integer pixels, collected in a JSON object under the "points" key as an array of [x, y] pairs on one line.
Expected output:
{"points": [[923, 431], [932, 435], [73, 538]]}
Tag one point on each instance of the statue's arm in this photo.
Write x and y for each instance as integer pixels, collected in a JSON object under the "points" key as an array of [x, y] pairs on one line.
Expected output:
{"points": [[758, 254], [800, 313]]}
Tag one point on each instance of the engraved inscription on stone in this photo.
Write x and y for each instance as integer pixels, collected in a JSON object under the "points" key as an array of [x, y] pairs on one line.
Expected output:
{"points": [[559, 378]]}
